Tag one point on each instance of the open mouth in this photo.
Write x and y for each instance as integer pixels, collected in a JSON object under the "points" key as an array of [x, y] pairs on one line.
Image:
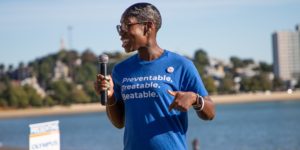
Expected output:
{"points": [[125, 42]]}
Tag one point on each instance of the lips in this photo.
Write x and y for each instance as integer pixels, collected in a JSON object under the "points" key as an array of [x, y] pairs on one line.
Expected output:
{"points": [[124, 42]]}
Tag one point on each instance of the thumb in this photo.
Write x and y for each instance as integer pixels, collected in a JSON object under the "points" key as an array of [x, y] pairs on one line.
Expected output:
{"points": [[173, 93]]}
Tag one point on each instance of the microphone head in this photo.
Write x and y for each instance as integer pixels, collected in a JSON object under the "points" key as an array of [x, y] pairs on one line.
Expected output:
{"points": [[103, 58]]}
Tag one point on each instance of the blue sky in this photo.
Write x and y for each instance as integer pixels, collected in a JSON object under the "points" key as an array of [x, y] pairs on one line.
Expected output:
{"points": [[223, 28]]}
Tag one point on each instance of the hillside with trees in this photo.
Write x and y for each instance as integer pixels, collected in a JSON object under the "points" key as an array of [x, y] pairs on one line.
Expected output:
{"points": [[67, 77]]}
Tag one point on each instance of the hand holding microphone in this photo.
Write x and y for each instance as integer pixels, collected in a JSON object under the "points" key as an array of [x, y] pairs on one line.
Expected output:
{"points": [[104, 84]]}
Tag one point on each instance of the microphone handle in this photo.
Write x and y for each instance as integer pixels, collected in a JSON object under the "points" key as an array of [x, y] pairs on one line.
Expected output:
{"points": [[103, 94]]}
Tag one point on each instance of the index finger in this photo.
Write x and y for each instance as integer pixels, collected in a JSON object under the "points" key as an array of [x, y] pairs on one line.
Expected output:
{"points": [[172, 106], [173, 93], [100, 76]]}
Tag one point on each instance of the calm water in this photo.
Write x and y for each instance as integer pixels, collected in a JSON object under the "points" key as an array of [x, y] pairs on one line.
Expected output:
{"points": [[254, 126]]}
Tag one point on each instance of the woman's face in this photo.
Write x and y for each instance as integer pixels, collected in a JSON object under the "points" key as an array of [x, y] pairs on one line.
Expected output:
{"points": [[132, 34]]}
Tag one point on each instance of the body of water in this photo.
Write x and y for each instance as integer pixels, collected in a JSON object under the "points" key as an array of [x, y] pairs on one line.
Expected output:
{"points": [[250, 126]]}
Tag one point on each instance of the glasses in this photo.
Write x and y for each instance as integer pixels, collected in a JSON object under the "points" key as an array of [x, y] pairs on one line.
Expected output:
{"points": [[125, 27]]}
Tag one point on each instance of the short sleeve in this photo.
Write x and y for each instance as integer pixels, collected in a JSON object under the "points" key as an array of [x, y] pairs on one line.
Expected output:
{"points": [[191, 80], [117, 85]]}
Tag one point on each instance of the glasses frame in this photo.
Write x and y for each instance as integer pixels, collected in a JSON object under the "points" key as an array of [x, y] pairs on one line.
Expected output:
{"points": [[121, 29]]}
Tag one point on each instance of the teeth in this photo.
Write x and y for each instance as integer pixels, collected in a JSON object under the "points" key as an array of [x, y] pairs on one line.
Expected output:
{"points": [[125, 40]]}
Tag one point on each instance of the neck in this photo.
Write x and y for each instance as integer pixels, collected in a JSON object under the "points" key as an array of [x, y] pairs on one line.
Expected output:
{"points": [[150, 52]]}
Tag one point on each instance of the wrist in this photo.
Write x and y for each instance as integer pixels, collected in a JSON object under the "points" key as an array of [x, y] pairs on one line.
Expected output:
{"points": [[196, 99], [111, 101], [199, 104]]}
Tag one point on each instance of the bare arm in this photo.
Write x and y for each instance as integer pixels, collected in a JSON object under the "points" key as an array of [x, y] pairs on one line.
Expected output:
{"points": [[208, 112], [114, 109], [115, 112]]}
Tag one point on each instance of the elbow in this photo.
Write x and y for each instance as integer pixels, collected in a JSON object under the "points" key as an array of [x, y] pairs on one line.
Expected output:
{"points": [[208, 117], [209, 112], [117, 121], [118, 125], [211, 115]]}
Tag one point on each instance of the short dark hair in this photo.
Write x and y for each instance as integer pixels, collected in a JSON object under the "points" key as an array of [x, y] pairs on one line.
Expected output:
{"points": [[144, 12]]}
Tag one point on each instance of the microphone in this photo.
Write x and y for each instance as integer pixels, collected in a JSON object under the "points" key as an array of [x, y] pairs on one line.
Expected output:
{"points": [[103, 60]]}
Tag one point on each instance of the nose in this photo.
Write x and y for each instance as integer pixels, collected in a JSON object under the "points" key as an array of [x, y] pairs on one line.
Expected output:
{"points": [[122, 33], [120, 30]]}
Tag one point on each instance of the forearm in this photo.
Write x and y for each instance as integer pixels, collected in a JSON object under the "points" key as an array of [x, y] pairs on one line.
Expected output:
{"points": [[115, 112], [208, 112]]}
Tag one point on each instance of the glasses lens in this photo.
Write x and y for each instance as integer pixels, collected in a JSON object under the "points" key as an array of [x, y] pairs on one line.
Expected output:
{"points": [[119, 29]]}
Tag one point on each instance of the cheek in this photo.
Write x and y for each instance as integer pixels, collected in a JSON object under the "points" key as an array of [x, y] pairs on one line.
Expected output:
{"points": [[137, 35], [140, 38], [137, 41]]}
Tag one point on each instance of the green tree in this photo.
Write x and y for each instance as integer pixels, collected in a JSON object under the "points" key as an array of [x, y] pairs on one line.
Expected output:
{"points": [[278, 84], [265, 67], [3, 103], [298, 84], [259, 82], [61, 92], [87, 72], [236, 62], [227, 85], [60, 55], [45, 70], [3, 87], [2, 70], [4, 82], [48, 101], [264, 82], [201, 57], [246, 84], [247, 62], [70, 57], [10, 68], [79, 96], [209, 84], [34, 99], [200, 61], [89, 89], [88, 57], [17, 97]]}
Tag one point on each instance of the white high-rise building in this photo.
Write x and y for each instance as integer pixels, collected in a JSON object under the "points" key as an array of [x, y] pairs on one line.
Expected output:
{"points": [[286, 54]]}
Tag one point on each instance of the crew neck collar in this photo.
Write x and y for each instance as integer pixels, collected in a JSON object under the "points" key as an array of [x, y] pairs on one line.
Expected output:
{"points": [[141, 61]]}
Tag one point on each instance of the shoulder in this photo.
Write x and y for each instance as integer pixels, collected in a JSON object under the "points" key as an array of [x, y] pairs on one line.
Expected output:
{"points": [[125, 63], [179, 58]]}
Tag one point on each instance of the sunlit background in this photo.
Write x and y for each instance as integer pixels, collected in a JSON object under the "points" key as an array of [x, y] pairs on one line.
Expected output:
{"points": [[246, 51], [243, 28]]}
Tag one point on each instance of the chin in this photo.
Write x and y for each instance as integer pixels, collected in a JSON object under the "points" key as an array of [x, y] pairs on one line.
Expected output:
{"points": [[129, 50]]}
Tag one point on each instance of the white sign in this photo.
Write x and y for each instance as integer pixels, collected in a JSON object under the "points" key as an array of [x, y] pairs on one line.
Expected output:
{"points": [[44, 136]]}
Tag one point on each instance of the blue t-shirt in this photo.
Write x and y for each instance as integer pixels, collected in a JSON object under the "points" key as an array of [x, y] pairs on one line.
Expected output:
{"points": [[143, 85]]}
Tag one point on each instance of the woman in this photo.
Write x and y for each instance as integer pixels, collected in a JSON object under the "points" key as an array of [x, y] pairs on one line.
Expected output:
{"points": [[150, 93]]}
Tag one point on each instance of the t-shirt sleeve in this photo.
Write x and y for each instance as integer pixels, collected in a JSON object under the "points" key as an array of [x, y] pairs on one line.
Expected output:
{"points": [[117, 85], [191, 80]]}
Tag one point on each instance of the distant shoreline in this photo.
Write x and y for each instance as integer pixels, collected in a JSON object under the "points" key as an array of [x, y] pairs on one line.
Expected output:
{"points": [[56, 110], [256, 97], [97, 107]]}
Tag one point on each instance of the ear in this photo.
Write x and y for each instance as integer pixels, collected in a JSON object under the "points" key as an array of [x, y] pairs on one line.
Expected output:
{"points": [[149, 27]]}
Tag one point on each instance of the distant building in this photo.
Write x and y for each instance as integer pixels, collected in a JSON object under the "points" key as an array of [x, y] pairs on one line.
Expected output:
{"points": [[61, 72], [247, 71], [286, 54], [32, 81], [215, 68]]}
